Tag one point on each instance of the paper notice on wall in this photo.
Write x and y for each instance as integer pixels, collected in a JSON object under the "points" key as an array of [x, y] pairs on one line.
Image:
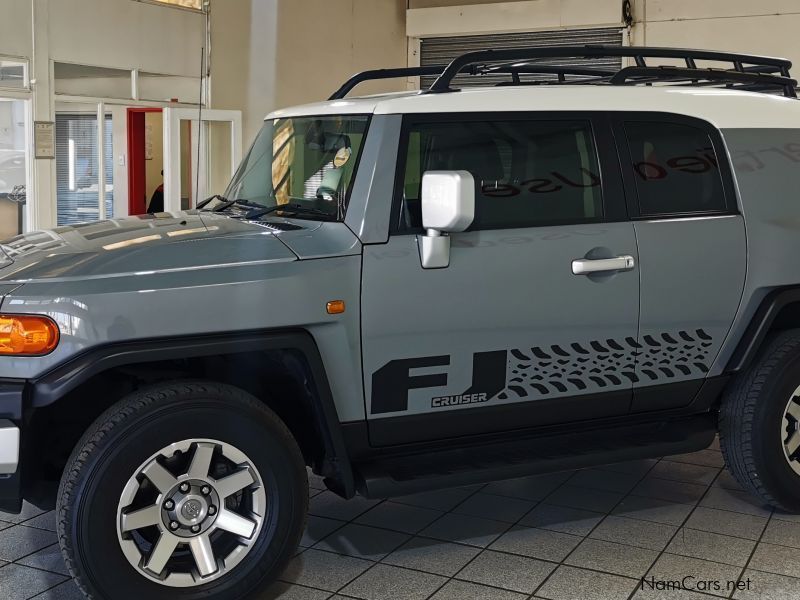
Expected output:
{"points": [[44, 139], [148, 141]]}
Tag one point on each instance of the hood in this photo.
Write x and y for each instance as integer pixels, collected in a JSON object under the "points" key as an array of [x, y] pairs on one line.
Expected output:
{"points": [[184, 241]]}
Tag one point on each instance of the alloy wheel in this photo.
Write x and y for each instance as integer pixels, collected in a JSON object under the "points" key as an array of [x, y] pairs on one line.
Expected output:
{"points": [[191, 513]]}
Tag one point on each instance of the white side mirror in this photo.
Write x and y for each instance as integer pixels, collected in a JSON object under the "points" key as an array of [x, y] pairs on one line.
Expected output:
{"points": [[448, 206]]}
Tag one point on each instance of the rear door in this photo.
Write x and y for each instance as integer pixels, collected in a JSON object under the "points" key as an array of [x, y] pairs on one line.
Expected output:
{"points": [[692, 251], [507, 336]]}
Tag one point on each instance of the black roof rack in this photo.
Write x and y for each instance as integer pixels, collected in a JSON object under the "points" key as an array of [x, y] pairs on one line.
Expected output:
{"points": [[747, 72]]}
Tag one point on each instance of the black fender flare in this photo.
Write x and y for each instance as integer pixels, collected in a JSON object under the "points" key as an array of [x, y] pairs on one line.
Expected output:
{"points": [[759, 326], [53, 385]]}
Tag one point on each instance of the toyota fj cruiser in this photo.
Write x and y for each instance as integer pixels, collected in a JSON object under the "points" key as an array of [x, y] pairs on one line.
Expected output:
{"points": [[410, 291]]}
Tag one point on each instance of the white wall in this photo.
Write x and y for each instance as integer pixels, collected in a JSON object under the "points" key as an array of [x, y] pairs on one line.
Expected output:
{"points": [[268, 54], [126, 34], [15, 28]]}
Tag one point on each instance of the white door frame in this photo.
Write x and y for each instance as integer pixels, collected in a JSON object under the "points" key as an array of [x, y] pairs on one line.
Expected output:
{"points": [[172, 146]]}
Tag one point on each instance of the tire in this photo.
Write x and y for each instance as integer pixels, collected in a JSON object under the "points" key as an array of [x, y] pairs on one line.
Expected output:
{"points": [[142, 431], [752, 427]]}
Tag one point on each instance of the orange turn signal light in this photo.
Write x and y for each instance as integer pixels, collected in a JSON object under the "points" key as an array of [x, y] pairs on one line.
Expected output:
{"points": [[26, 335], [335, 307]]}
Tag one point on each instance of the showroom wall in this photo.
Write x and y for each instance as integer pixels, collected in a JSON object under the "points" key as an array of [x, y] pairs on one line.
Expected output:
{"points": [[273, 53], [765, 27], [112, 34]]}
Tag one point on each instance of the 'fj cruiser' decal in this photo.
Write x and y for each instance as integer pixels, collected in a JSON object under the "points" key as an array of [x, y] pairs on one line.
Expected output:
{"points": [[577, 368]]}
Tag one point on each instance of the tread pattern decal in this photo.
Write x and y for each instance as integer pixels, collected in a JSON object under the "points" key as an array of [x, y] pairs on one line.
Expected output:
{"points": [[606, 364]]}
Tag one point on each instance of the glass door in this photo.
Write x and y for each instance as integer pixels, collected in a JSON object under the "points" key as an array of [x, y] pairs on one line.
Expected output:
{"points": [[13, 166], [201, 153]]}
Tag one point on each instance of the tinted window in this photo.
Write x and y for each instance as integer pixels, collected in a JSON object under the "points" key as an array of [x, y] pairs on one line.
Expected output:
{"points": [[527, 173], [675, 169]]}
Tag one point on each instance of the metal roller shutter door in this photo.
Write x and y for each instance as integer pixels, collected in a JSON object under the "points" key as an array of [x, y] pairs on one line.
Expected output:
{"points": [[438, 51]]}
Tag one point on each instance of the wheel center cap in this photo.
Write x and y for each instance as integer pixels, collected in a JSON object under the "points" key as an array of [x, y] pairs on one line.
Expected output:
{"points": [[191, 510]]}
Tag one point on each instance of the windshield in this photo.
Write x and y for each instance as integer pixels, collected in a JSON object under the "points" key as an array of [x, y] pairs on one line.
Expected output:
{"points": [[308, 162]]}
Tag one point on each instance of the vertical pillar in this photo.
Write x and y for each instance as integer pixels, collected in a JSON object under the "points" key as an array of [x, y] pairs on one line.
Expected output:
{"points": [[41, 205]]}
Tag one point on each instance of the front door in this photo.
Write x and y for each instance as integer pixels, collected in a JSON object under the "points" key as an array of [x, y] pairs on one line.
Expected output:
{"points": [[520, 330], [201, 153]]}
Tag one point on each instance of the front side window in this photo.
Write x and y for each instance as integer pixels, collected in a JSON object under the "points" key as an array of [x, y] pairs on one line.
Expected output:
{"points": [[527, 173], [675, 169], [307, 162]]}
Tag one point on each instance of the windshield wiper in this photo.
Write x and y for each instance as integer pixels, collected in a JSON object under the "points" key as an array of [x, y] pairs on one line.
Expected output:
{"points": [[292, 208], [226, 204], [208, 201]]}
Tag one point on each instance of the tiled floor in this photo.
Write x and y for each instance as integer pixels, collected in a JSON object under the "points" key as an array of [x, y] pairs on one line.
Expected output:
{"points": [[593, 534]]}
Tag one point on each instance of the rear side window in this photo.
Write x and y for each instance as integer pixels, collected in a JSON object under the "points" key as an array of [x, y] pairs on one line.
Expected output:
{"points": [[675, 169], [527, 173]]}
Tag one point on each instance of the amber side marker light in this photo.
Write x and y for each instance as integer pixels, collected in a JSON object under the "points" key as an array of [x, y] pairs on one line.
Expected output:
{"points": [[23, 335], [335, 307]]}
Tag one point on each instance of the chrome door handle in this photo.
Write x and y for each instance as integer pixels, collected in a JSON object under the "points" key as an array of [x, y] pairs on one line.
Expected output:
{"points": [[587, 266]]}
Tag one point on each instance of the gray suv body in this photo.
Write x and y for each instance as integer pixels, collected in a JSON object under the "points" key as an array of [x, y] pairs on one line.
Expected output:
{"points": [[406, 292]]}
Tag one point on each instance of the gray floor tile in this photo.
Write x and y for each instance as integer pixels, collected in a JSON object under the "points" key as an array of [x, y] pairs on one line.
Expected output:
{"points": [[385, 582], [285, 591], [735, 501], [318, 528], [327, 504], [66, 591], [491, 506], [678, 471], [608, 481], [47, 559], [464, 590], [537, 543], [706, 458], [534, 488], [45, 521], [18, 582], [642, 534], [671, 568], [19, 541], [315, 482], [644, 592], [515, 573], [362, 541], [784, 533], [400, 517], [28, 512], [674, 491], [727, 523], [324, 570], [768, 586], [727, 481], [562, 518], [634, 467], [711, 546], [571, 583], [432, 556], [612, 558], [437, 499], [464, 529], [653, 509], [775, 559], [584, 498]]}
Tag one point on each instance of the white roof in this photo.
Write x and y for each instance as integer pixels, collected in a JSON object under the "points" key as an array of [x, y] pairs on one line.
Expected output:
{"points": [[721, 107]]}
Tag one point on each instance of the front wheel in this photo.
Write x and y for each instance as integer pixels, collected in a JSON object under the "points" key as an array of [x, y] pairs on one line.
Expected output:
{"points": [[185, 490], [760, 424]]}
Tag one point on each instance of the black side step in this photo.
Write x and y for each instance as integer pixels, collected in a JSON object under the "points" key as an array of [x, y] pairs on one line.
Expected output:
{"points": [[399, 475]]}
